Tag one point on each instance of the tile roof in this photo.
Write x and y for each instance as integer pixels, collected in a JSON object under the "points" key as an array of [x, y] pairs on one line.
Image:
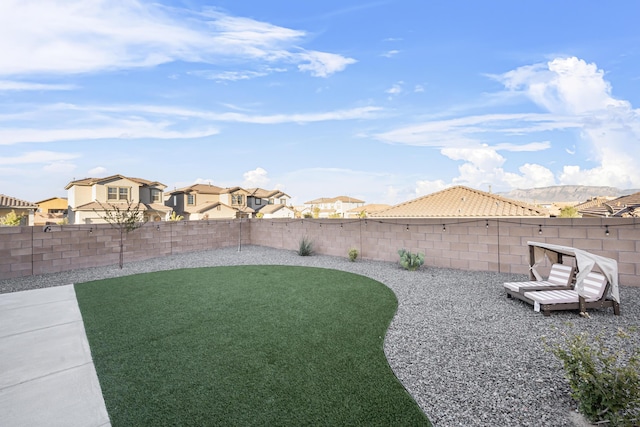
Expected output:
{"points": [[200, 188], [269, 209], [370, 208], [12, 202], [265, 194], [93, 181], [625, 206], [460, 201], [345, 199]]}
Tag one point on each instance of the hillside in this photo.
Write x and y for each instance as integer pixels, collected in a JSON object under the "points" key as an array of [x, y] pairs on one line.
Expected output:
{"points": [[565, 193]]}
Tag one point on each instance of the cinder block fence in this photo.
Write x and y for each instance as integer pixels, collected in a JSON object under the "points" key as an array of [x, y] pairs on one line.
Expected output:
{"points": [[465, 243]]}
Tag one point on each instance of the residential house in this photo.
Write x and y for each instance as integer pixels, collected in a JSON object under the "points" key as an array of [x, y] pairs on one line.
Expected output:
{"points": [[278, 211], [328, 207], [259, 198], [20, 207], [51, 211], [622, 207], [461, 202], [205, 201], [89, 199]]}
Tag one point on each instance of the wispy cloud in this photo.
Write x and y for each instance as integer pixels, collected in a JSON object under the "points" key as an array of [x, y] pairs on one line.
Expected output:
{"points": [[9, 85], [69, 122], [390, 53], [87, 36], [37, 157]]}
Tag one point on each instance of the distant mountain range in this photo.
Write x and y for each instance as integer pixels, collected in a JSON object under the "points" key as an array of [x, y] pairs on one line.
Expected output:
{"points": [[565, 193]]}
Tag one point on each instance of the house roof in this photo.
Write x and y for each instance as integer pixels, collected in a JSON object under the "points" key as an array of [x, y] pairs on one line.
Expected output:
{"points": [[345, 199], [460, 201], [93, 181], [12, 202], [51, 198], [200, 188], [265, 194], [207, 189], [204, 207], [625, 206], [269, 209], [370, 208]]}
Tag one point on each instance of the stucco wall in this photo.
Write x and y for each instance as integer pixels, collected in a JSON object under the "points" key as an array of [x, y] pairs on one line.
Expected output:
{"points": [[463, 244]]}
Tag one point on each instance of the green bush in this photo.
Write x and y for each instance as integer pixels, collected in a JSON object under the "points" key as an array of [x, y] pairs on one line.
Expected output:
{"points": [[410, 261], [305, 247], [605, 384], [353, 254]]}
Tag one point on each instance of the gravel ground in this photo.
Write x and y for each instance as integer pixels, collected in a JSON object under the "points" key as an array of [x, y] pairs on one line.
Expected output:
{"points": [[468, 355]]}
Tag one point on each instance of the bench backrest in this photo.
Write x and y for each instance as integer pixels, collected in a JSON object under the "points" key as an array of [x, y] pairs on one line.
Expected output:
{"points": [[594, 285], [560, 274]]}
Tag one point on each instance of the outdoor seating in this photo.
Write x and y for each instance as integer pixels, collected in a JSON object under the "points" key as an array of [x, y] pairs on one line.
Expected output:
{"points": [[592, 289], [595, 292], [560, 277]]}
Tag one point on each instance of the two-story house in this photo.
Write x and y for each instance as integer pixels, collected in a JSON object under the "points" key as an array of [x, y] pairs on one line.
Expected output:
{"points": [[333, 206], [205, 201], [89, 199], [270, 203]]}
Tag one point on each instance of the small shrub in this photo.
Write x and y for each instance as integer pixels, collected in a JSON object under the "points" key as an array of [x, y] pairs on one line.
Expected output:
{"points": [[11, 219], [353, 254], [306, 247], [410, 261], [604, 386]]}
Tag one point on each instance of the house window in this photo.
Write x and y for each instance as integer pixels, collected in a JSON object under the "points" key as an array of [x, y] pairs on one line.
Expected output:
{"points": [[156, 196], [117, 193], [191, 199], [283, 201], [270, 201], [236, 199], [258, 201]]}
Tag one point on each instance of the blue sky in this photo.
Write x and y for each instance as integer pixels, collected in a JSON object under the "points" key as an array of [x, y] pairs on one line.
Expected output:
{"points": [[381, 100]]}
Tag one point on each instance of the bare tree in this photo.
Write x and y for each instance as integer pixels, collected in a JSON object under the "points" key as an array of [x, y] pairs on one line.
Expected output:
{"points": [[123, 220]]}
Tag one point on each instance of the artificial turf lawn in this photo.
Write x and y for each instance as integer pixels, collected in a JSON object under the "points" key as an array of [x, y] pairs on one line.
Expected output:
{"points": [[245, 346]]}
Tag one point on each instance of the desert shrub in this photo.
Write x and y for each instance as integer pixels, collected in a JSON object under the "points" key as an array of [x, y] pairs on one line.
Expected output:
{"points": [[410, 261], [604, 383], [305, 248], [11, 219], [353, 254]]}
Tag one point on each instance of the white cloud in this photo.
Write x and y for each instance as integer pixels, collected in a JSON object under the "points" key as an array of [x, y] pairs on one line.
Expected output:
{"points": [[230, 75], [390, 53], [610, 128], [80, 36], [395, 89], [34, 157], [576, 97], [323, 64], [427, 187], [98, 171], [8, 85], [256, 178], [60, 168], [60, 122], [418, 88]]}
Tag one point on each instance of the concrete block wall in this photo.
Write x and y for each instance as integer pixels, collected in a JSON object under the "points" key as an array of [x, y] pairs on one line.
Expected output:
{"points": [[26, 251], [468, 244]]}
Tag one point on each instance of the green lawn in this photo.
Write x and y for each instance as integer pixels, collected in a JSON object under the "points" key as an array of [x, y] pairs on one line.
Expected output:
{"points": [[245, 346]]}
